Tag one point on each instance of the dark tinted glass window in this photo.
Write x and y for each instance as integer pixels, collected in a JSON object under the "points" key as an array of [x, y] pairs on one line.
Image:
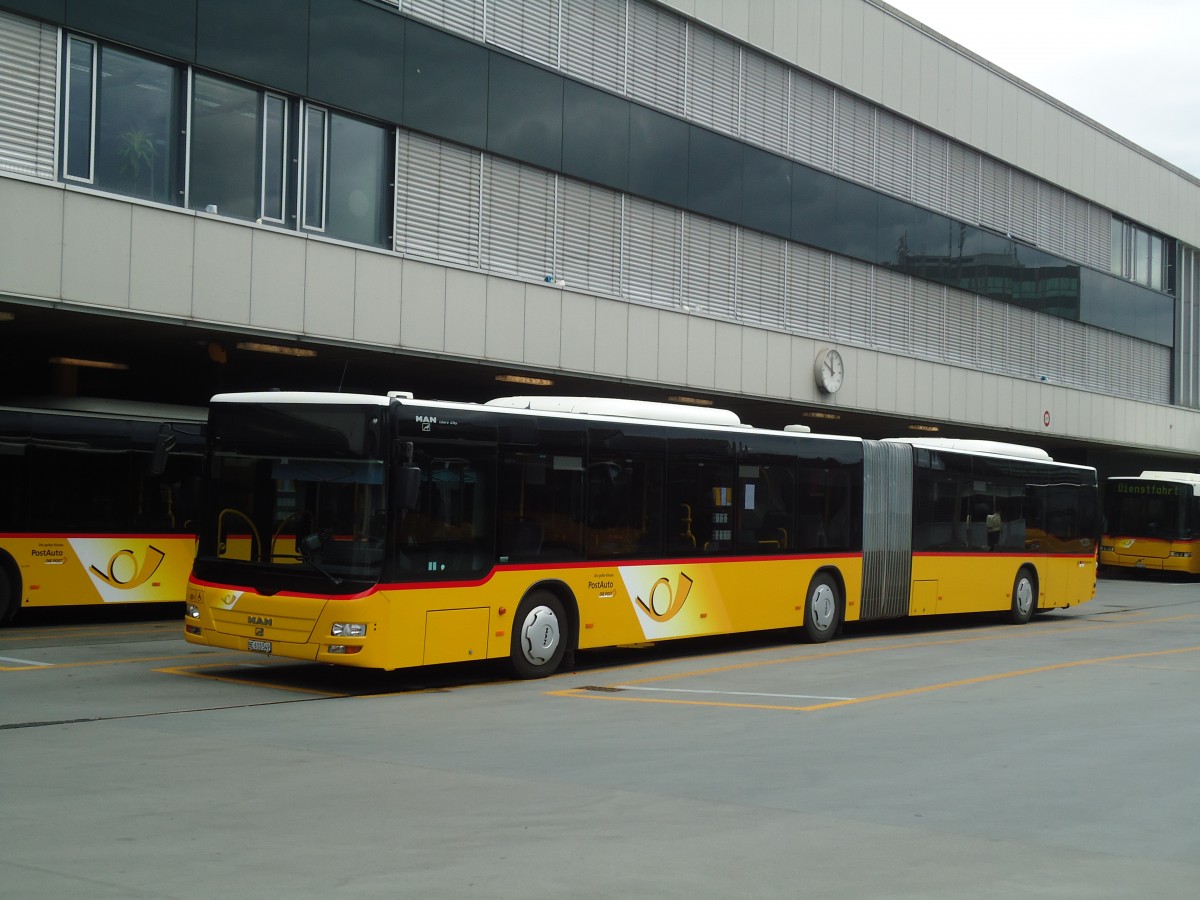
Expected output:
{"points": [[766, 192], [264, 42], [658, 156], [223, 173], [595, 136], [360, 164], [714, 175], [356, 57], [137, 128], [451, 533], [765, 505], [624, 503], [445, 85], [541, 504], [857, 221], [525, 112], [814, 206], [78, 112], [699, 515]]}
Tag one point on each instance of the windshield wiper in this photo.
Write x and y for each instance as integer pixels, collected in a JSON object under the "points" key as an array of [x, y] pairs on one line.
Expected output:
{"points": [[311, 547]]}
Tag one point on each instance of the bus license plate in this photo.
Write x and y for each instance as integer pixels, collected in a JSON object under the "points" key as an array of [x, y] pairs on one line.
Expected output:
{"points": [[259, 646]]}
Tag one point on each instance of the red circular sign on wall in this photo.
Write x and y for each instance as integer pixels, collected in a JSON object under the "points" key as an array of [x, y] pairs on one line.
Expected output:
{"points": [[1046, 418]]}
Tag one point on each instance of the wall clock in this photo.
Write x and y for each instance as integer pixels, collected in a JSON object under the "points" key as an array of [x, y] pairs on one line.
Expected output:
{"points": [[829, 370]]}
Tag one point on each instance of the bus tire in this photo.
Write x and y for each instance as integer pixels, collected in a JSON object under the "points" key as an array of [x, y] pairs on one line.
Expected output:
{"points": [[1024, 596], [540, 634], [822, 608]]}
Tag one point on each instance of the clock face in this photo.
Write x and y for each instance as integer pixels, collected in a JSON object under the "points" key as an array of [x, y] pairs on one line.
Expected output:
{"points": [[829, 371]]}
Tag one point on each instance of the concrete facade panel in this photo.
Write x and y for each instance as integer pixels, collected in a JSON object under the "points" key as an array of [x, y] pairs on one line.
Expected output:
{"points": [[779, 366], [96, 248], [673, 348], [613, 344], [423, 310], [873, 56], [727, 358], [754, 361], [329, 300], [505, 335], [378, 293], [222, 275], [543, 325], [31, 242], [277, 281], [702, 349], [160, 265], [578, 336], [644, 351], [466, 313]]}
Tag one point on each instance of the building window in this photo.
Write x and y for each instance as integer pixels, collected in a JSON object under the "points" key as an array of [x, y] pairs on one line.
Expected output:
{"points": [[316, 140], [237, 158], [1139, 255], [122, 122], [347, 177], [79, 109], [274, 163]]}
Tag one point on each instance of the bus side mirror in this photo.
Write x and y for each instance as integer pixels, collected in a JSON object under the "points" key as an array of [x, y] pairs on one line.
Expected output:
{"points": [[163, 446], [408, 486], [408, 477]]}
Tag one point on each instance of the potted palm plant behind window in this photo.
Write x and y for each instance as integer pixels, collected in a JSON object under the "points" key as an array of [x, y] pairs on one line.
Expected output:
{"points": [[137, 152]]}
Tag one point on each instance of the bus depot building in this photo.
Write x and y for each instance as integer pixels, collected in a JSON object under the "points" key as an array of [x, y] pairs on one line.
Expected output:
{"points": [[813, 212]]}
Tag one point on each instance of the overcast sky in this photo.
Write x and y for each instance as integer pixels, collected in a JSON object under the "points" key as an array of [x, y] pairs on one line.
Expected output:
{"points": [[1131, 65]]}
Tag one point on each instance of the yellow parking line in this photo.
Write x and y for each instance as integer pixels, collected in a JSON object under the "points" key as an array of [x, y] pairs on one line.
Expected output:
{"points": [[47, 667], [614, 692], [190, 671]]}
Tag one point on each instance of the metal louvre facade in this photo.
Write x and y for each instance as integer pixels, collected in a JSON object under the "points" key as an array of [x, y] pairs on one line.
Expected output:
{"points": [[460, 206], [28, 91], [528, 223]]}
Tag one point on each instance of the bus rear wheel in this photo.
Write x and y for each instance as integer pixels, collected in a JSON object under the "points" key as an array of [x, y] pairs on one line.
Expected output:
{"points": [[822, 609], [539, 638], [1024, 597]]}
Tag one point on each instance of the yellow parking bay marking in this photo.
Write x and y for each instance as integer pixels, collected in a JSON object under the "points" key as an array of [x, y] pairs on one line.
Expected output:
{"points": [[22, 663], [44, 666], [193, 672], [615, 692]]}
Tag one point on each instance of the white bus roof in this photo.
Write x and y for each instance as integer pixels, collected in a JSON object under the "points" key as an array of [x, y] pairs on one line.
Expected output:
{"points": [[1182, 477], [624, 409], [992, 448]]}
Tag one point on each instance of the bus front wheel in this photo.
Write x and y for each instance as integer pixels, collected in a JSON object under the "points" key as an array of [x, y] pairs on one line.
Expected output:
{"points": [[1024, 597], [822, 609], [539, 638]]}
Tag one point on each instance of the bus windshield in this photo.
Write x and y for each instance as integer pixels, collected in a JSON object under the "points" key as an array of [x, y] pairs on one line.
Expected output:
{"points": [[296, 497], [1150, 508]]}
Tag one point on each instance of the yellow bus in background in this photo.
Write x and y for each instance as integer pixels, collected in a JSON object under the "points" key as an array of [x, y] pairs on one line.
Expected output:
{"points": [[97, 501], [1152, 523], [387, 532]]}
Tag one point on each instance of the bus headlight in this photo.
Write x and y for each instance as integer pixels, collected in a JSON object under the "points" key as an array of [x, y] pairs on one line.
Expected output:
{"points": [[349, 629], [192, 611]]}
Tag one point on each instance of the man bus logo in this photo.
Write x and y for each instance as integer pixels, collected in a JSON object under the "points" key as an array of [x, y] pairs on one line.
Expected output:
{"points": [[664, 603], [125, 573]]}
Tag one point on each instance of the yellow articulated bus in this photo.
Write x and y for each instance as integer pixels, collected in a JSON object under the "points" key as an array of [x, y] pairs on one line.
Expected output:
{"points": [[387, 532], [96, 500], [1152, 522]]}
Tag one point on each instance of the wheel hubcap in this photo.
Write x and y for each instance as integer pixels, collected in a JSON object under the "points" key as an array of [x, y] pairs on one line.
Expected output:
{"points": [[540, 635], [824, 607], [1024, 596]]}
